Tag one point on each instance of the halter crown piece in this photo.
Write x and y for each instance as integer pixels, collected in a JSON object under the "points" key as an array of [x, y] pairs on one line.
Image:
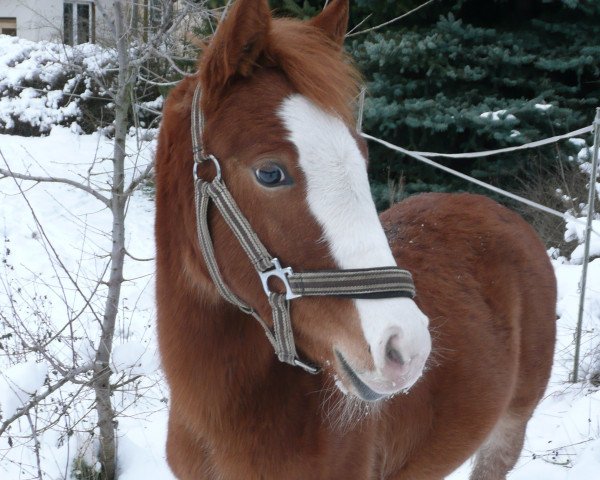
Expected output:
{"points": [[381, 282]]}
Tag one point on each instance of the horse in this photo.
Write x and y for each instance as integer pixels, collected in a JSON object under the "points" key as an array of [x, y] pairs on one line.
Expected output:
{"points": [[372, 385]]}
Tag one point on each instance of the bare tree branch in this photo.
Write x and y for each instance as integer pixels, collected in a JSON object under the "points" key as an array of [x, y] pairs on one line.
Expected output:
{"points": [[24, 410], [6, 173], [121, 82], [393, 20], [137, 259], [51, 246], [36, 443], [139, 179]]}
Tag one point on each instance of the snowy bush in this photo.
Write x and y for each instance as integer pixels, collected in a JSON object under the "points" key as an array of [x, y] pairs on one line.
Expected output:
{"points": [[45, 84], [576, 216]]}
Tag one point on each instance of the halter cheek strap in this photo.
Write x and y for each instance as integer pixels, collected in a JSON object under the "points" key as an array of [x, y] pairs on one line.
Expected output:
{"points": [[381, 282]]}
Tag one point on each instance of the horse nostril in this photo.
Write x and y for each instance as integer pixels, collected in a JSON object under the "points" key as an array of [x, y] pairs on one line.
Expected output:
{"points": [[391, 352]]}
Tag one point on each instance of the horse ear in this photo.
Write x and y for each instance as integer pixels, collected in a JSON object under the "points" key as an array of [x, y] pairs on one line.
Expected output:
{"points": [[240, 39], [333, 20]]}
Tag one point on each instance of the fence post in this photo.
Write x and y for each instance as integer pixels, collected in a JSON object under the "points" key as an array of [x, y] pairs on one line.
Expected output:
{"points": [[361, 109], [586, 252]]}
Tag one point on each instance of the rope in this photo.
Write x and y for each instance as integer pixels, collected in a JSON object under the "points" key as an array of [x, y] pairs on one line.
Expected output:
{"points": [[525, 146], [421, 158]]}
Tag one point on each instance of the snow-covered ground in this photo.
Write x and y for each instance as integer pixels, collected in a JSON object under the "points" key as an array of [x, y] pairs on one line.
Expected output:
{"points": [[563, 439], [36, 292]]}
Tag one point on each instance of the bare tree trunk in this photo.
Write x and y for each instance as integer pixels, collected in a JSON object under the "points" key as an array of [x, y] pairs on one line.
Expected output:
{"points": [[102, 370]]}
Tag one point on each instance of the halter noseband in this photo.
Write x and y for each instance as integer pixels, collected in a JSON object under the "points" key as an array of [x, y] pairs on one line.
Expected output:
{"points": [[381, 282]]}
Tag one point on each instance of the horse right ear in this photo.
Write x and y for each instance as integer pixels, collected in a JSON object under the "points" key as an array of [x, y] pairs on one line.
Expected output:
{"points": [[238, 42], [333, 20]]}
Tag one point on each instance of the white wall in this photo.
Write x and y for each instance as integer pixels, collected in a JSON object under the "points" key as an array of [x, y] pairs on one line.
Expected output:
{"points": [[41, 19], [36, 19]]}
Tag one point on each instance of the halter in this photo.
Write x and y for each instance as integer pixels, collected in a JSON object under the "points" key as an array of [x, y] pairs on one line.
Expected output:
{"points": [[381, 282]]}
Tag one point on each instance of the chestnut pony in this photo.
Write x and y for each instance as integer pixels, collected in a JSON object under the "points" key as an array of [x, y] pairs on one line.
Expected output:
{"points": [[408, 388]]}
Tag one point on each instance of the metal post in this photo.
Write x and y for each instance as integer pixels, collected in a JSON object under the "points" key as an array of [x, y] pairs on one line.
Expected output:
{"points": [[361, 109], [586, 252]]}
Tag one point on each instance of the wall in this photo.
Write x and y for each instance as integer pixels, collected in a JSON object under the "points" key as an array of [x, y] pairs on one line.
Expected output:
{"points": [[43, 19], [36, 20]]}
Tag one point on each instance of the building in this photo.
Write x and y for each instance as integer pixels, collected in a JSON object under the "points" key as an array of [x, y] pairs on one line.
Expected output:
{"points": [[70, 21]]}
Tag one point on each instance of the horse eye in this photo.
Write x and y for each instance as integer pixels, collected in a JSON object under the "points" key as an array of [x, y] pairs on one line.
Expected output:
{"points": [[271, 175]]}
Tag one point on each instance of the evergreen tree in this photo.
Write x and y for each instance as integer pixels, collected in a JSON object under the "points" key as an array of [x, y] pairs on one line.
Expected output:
{"points": [[483, 75]]}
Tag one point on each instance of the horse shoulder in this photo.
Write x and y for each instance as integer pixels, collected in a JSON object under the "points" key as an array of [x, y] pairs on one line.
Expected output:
{"points": [[484, 280]]}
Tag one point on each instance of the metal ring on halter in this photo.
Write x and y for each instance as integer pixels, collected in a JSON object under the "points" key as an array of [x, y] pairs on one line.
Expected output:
{"points": [[215, 162]]}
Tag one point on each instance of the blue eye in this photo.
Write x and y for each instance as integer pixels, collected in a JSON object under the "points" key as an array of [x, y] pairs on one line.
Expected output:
{"points": [[271, 175]]}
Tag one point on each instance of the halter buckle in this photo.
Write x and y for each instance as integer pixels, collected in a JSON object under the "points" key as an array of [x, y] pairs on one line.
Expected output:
{"points": [[282, 274]]}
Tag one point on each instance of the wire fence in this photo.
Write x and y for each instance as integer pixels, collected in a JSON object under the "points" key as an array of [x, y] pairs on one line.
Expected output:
{"points": [[423, 157], [525, 146]]}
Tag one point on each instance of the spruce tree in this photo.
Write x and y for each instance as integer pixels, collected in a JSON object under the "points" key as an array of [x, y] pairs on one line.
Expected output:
{"points": [[482, 75]]}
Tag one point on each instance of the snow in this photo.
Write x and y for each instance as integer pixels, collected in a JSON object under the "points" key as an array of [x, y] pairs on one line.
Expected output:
{"points": [[18, 383], [578, 142], [135, 358], [584, 155], [575, 230], [29, 73], [76, 224], [155, 104], [543, 106], [498, 115], [39, 111]]}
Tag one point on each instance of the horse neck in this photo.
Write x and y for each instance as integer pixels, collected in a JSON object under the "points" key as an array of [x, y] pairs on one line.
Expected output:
{"points": [[234, 345], [239, 369]]}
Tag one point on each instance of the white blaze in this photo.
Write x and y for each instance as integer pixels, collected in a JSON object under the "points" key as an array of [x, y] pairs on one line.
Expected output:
{"points": [[339, 197]]}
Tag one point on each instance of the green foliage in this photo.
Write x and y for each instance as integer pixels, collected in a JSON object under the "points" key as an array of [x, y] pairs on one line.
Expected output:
{"points": [[83, 471], [436, 86], [300, 10]]}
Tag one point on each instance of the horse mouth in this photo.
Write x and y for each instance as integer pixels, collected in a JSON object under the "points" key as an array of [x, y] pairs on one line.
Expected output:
{"points": [[362, 389]]}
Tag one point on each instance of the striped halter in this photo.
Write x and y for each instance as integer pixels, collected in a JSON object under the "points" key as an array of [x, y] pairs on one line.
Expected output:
{"points": [[381, 282]]}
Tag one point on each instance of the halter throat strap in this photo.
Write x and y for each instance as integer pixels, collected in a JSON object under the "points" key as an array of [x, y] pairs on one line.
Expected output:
{"points": [[379, 282]]}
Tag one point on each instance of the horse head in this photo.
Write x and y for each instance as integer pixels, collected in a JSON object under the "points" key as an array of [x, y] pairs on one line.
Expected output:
{"points": [[277, 105]]}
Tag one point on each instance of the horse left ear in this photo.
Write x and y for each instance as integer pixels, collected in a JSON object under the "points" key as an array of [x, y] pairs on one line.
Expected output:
{"points": [[333, 20], [240, 39]]}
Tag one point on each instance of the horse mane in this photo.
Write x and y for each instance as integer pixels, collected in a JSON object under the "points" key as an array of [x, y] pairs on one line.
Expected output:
{"points": [[314, 65]]}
